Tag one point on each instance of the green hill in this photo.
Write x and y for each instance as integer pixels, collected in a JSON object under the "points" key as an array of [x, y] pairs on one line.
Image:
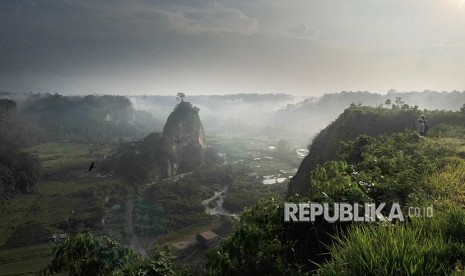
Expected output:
{"points": [[371, 121]]}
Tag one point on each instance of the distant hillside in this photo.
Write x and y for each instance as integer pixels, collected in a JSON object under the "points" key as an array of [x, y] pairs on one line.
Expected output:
{"points": [[312, 115], [89, 118], [357, 120]]}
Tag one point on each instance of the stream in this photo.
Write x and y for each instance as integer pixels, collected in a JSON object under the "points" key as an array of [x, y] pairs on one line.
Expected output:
{"points": [[218, 209]]}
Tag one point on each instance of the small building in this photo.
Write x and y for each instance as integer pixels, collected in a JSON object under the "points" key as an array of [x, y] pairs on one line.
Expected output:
{"points": [[207, 238]]}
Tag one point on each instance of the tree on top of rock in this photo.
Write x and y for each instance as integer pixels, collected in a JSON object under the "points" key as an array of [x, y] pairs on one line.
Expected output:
{"points": [[180, 96]]}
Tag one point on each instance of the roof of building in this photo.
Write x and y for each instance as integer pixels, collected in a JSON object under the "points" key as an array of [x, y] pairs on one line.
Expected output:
{"points": [[208, 235]]}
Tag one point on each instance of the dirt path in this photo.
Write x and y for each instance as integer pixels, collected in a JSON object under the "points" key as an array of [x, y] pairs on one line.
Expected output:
{"points": [[135, 242]]}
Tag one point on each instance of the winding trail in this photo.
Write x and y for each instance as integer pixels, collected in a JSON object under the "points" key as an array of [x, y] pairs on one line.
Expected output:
{"points": [[135, 242]]}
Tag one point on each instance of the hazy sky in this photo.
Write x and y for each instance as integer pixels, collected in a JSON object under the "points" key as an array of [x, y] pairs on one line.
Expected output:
{"points": [[302, 47]]}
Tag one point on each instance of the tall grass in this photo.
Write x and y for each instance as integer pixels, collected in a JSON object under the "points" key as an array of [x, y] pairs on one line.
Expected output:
{"points": [[449, 183], [392, 250], [429, 246]]}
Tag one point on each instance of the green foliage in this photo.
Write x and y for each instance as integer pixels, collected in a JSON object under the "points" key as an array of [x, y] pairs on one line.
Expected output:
{"points": [[336, 181], [262, 243], [363, 120], [161, 263], [85, 254], [256, 245]]}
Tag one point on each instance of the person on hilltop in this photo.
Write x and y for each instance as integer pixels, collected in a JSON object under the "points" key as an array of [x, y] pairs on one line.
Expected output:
{"points": [[426, 125], [423, 125]]}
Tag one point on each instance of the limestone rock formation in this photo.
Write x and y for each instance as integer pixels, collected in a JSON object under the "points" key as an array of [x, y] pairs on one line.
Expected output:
{"points": [[184, 140], [180, 148]]}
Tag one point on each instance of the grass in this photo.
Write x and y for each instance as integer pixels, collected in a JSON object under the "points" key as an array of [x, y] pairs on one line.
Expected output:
{"points": [[82, 197], [24, 260], [56, 157], [17, 254], [65, 187], [450, 182], [55, 203], [426, 246], [28, 266], [392, 250], [59, 157]]}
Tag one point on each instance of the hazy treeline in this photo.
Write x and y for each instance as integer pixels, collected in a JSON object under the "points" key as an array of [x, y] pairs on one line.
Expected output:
{"points": [[236, 113], [308, 117], [18, 170], [257, 114], [94, 119], [278, 114]]}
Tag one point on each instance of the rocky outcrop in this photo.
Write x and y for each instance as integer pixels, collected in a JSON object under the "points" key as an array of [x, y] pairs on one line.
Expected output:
{"points": [[184, 140], [181, 147]]}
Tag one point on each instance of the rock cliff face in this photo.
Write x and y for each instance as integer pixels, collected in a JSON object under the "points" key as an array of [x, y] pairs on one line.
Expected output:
{"points": [[184, 141]]}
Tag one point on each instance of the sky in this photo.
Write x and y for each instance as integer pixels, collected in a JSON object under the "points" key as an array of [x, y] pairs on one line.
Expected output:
{"points": [[299, 47]]}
